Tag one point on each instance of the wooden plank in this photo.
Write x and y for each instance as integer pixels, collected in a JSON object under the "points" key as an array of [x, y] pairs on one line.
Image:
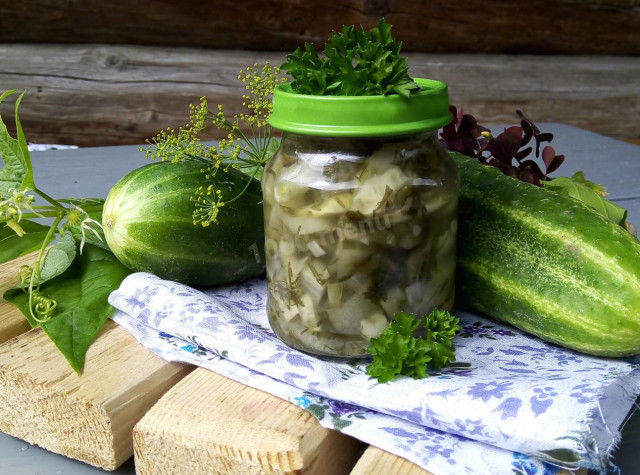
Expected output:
{"points": [[12, 322], [376, 461], [210, 424], [108, 95], [544, 26], [88, 417], [9, 270]]}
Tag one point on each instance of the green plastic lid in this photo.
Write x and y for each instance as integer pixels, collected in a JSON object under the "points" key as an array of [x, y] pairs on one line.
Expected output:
{"points": [[361, 116]]}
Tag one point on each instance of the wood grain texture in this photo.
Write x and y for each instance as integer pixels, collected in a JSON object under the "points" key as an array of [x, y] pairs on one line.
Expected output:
{"points": [[502, 26], [12, 322], [9, 270], [225, 427], [91, 95], [376, 461], [88, 417]]}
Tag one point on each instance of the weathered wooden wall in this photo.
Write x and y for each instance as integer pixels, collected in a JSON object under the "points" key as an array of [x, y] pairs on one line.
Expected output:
{"points": [[106, 73], [496, 26], [108, 95]]}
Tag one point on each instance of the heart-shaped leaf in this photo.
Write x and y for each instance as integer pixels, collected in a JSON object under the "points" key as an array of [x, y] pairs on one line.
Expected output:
{"points": [[81, 293]]}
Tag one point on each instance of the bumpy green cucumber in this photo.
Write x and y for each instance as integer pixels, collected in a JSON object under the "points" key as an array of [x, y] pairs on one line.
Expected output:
{"points": [[148, 225], [546, 263]]}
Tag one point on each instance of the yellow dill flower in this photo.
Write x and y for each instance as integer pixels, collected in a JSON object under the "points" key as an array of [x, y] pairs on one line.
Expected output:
{"points": [[247, 146]]}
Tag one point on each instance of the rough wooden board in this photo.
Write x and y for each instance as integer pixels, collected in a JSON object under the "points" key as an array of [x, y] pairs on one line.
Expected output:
{"points": [[110, 95], [375, 461], [88, 417], [543, 26], [9, 270], [226, 427], [12, 322]]}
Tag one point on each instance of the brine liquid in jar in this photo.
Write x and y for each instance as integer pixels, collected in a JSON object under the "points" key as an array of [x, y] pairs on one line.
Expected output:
{"points": [[357, 229]]}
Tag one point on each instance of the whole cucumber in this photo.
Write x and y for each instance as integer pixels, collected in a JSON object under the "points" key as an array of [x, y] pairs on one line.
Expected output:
{"points": [[546, 263], [148, 225]]}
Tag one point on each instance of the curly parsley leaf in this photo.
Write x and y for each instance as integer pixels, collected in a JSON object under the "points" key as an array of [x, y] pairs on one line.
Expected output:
{"points": [[441, 327], [401, 350], [355, 63]]}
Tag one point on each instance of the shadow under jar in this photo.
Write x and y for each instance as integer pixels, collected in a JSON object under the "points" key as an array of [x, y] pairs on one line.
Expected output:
{"points": [[360, 217]]}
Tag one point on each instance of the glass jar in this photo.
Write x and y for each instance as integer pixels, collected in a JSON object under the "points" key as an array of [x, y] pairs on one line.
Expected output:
{"points": [[360, 218]]}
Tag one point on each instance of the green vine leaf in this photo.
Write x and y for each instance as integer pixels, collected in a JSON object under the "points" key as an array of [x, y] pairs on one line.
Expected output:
{"points": [[16, 172], [58, 259], [81, 292], [12, 245], [578, 188]]}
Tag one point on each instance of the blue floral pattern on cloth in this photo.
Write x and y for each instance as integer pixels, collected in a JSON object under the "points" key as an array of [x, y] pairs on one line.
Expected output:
{"points": [[510, 404]]}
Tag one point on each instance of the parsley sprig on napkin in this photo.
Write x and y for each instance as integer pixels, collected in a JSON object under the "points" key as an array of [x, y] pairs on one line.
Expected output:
{"points": [[400, 348]]}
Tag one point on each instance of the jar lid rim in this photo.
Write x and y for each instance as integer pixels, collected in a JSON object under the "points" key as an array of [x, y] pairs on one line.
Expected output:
{"points": [[362, 116]]}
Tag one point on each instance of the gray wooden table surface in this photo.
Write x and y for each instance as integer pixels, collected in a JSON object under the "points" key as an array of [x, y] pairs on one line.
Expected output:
{"points": [[91, 172]]}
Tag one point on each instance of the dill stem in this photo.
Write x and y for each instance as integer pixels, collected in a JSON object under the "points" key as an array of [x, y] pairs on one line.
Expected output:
{"points": [[246, 187]]}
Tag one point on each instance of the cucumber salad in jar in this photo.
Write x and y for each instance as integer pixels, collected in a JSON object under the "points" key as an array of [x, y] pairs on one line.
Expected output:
{"points": [[357, 229]]}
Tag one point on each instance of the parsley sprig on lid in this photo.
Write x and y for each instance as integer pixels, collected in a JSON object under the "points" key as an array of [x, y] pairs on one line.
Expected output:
{"points": [[355, 63]]}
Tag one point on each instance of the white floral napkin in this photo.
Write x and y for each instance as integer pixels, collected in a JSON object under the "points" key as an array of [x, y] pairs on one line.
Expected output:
{"points": [[38, 147], [511, 404]]}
